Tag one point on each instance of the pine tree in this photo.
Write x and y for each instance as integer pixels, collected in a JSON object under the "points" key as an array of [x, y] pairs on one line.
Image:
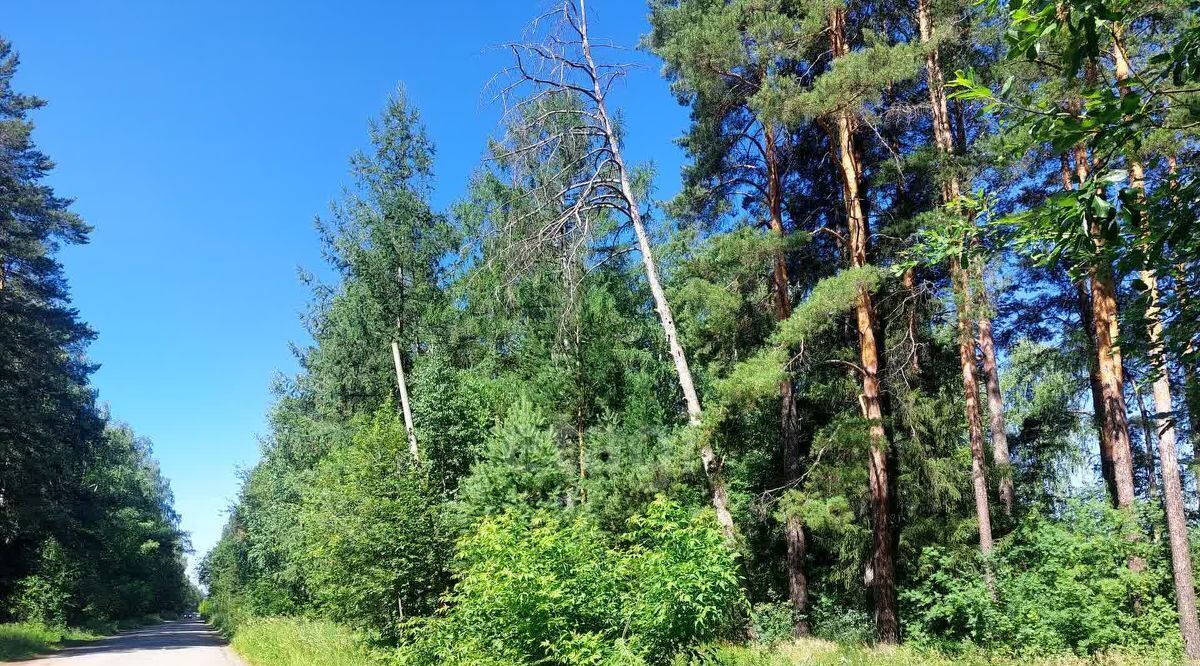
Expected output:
{"points": [[961, 279], [42, 340], [852, 77], [718, 56]]}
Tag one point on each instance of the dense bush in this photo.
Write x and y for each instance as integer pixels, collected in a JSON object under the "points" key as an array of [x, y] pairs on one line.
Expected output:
{"points": [[1062, 584], [817, 652], [46, 596], [373, 550], [551, 588]]}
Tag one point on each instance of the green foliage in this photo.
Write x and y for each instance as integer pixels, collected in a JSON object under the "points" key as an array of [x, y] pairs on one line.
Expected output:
{"points": [[520, 467], [373, 550], [816, 652], [451, 420], [532, 586], [389, 247], [548, 413], [860, 77], [683, 580], [1043, 385], [46, 596], [830, 298], [1082, 596], [537, 587]]}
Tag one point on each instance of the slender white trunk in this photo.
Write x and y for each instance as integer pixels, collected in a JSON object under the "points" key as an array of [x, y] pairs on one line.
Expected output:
{"points": [[404, 407], [712, 464]]}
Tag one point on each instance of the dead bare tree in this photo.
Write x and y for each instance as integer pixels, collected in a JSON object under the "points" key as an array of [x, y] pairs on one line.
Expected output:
{"points": [[555, 97]]}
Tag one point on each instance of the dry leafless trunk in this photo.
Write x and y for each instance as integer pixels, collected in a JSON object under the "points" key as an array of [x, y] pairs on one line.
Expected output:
{"points": [[558, 91]]}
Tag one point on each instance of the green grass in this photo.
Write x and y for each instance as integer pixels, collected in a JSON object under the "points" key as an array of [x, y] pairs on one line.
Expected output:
{"points": [[299, 642], [21, 640], [814, 652]]}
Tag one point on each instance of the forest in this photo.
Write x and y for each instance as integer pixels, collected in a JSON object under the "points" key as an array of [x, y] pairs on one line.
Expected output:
{"points": [[89, 536], [907, 372], [910, 358]]}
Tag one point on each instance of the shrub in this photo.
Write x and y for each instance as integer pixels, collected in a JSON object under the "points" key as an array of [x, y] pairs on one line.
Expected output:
{"points": [[543, 587], [373, 550], [772, 622], [46, 596], [1062, 585], [681, 581], [223, 613], [843, 624], [533, 586], [817, 652]]}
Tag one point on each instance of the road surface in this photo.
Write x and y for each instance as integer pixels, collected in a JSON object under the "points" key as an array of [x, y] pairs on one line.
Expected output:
{"points": [[179, 643]]}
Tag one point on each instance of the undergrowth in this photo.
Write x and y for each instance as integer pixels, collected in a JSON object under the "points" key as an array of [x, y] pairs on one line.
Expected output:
{"points": [[20, 640], [300, 642]]}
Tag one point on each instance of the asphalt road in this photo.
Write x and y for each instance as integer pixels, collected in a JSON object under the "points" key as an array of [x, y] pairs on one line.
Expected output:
{"points": [[180, 643]]}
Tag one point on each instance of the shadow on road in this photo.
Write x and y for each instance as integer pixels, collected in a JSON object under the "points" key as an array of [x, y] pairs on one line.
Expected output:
{"points": [[167, 636]]}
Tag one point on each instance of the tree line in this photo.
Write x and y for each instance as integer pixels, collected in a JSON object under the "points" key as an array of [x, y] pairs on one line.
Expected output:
{"points": [[88, 531], [912, 354]]}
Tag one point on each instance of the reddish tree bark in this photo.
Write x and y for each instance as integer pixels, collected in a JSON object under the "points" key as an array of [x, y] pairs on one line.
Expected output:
{"points": [[882, 577], [960, 278]]}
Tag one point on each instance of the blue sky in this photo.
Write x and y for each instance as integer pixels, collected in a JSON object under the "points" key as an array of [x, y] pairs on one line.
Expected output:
{"points": [[201, 139]]}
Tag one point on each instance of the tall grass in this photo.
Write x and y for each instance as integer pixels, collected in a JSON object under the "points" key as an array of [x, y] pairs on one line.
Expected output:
{"points": [[815, 652], [20, 640], [300, 642]]}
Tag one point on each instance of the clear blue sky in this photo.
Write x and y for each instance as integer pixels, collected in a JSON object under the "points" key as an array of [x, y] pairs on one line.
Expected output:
{"points": [[200, 139]]}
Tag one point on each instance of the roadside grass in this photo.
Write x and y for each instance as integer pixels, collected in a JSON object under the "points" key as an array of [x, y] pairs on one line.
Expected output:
{"points": [[816, 652], [300, 642], [21, 640], [286, 641]]}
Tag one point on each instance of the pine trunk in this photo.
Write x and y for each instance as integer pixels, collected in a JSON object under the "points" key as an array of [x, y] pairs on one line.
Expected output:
{"points": [[1191, 394], [1002, 463], [883, 563], [966, 355], [1172, 491], [1112, 381], [944, 140], [1114, 437], [789, 415], [1172, 485], [909, 280], [1098, 314]]}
